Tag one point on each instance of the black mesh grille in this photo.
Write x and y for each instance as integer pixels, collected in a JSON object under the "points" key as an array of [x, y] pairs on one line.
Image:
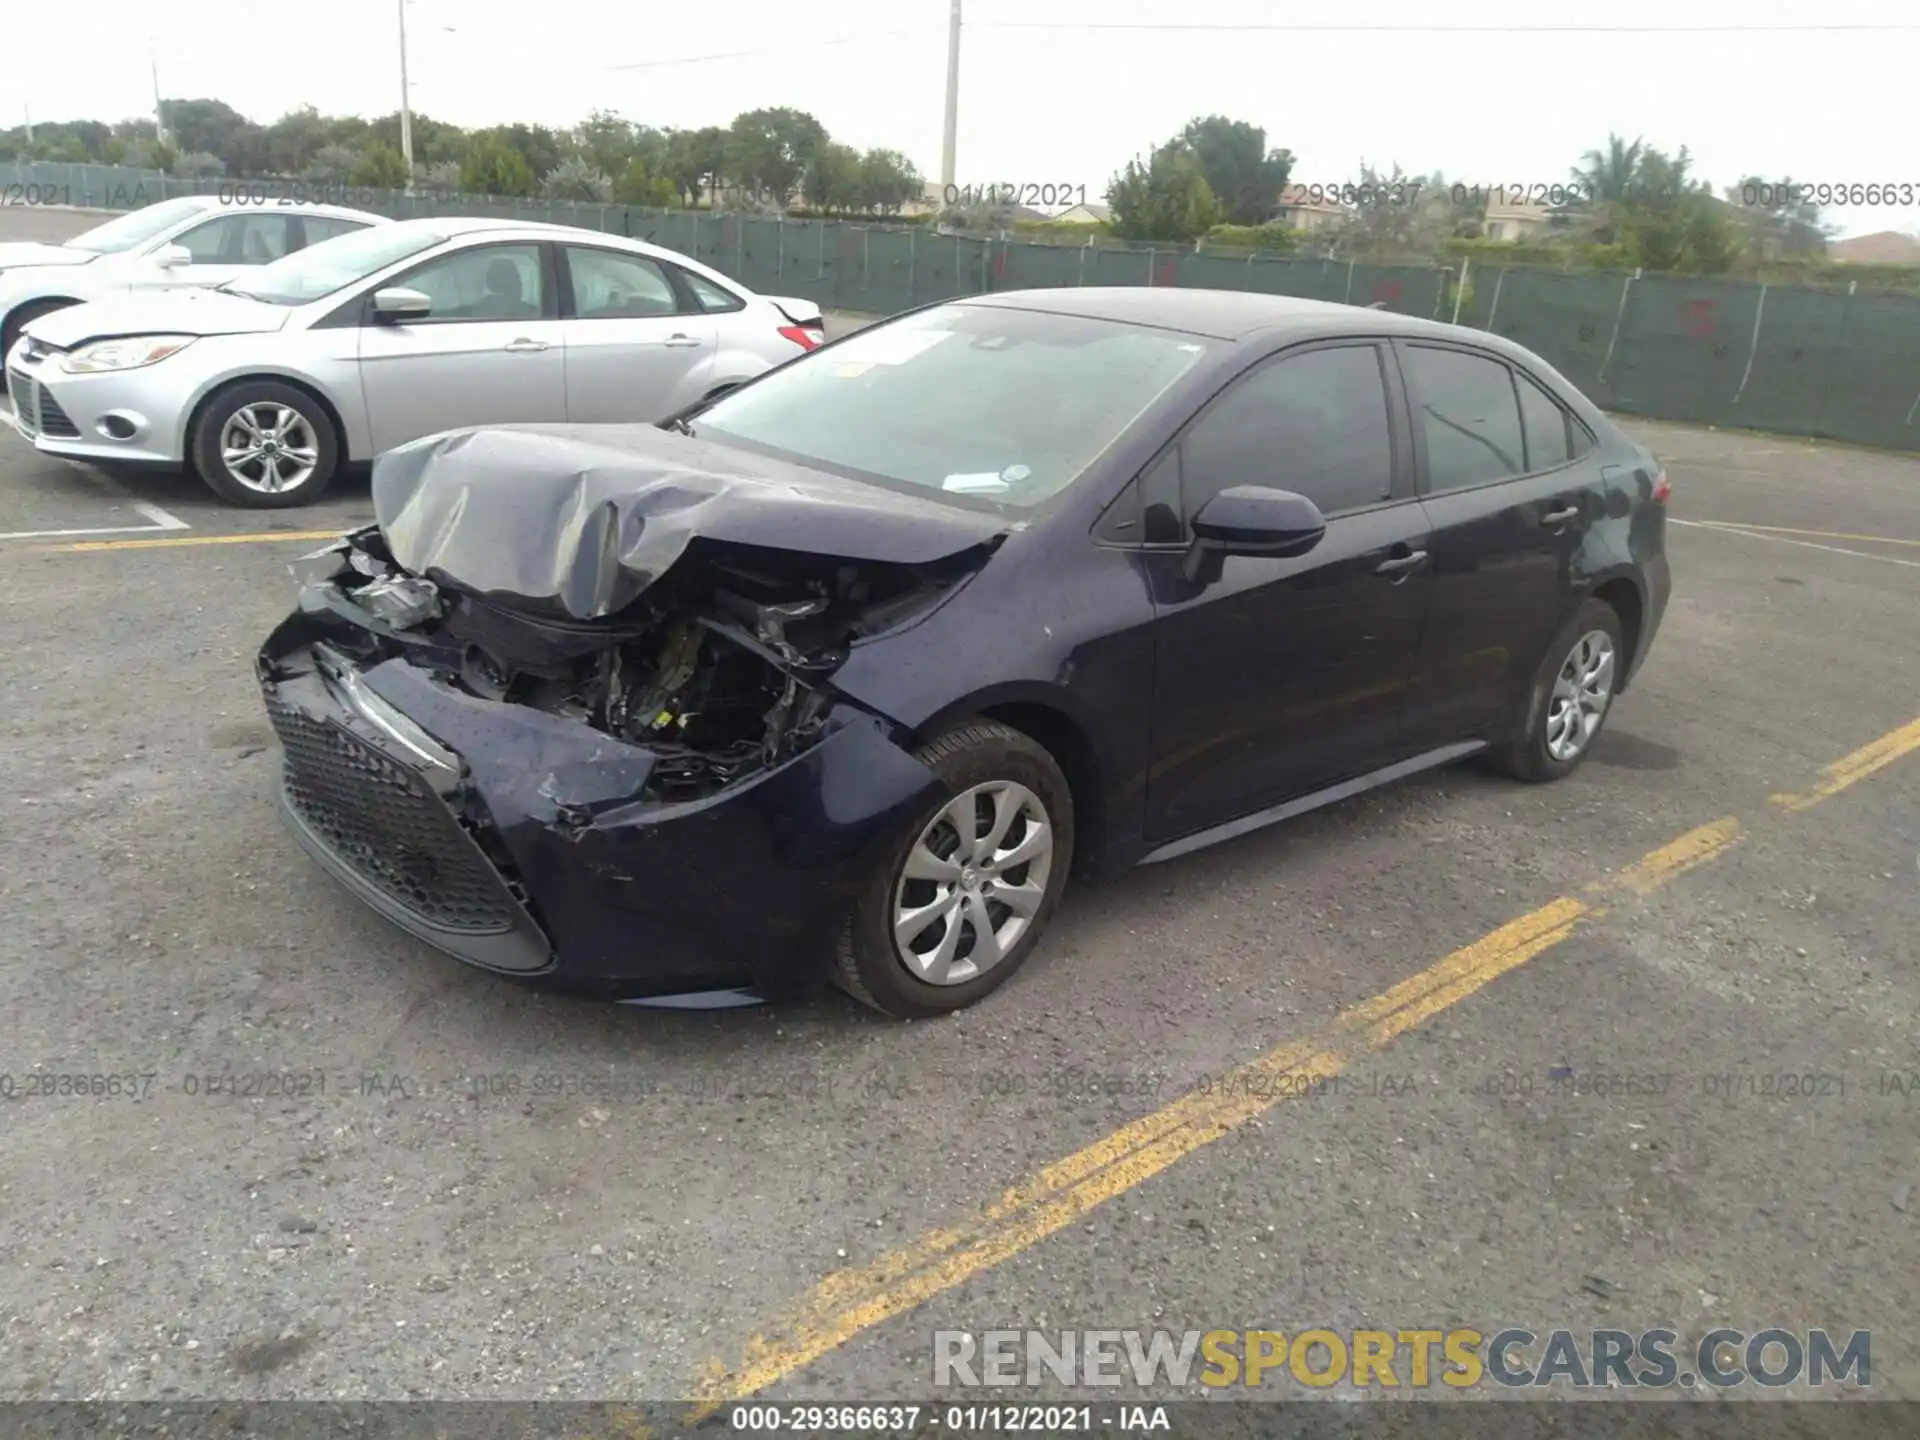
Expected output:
{"points": [[382, 820], [53, 420], [20, 393]]}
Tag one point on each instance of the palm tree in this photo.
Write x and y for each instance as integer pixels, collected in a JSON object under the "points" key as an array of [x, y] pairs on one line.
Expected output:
{"points": [[1607, 180]]}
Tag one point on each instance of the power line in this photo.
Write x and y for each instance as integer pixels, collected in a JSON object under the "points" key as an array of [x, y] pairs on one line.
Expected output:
{"points": [[768, 50], [1570, 29]]}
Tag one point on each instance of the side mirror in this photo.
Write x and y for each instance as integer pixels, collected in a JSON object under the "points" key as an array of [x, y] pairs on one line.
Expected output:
{"points": [[1251, 520], [398, 303], [172, 257]]}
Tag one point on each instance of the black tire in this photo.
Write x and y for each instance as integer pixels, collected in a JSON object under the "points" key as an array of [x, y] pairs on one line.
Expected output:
{"points": [[977, 752], [204, 444], [24, 315], [1526, 757]]}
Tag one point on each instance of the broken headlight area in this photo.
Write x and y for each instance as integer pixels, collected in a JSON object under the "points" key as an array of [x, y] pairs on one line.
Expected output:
{"points": [[719, 669]]}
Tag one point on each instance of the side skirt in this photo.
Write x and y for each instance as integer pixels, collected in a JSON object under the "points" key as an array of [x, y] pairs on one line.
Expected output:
{"points": [[1346, 789]]}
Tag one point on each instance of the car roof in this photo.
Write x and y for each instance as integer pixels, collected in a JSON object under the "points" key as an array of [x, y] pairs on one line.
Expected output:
{"points": [[1216, 314], [455, 227], [302, 207]]}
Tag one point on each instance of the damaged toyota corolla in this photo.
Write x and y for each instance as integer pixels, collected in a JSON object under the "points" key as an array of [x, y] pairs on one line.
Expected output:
{"points": [[839, 676]]}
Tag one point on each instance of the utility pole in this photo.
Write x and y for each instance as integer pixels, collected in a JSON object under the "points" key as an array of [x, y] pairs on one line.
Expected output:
{"points": [[29, 113], [159, 118], [406, 99], [953, 95]]}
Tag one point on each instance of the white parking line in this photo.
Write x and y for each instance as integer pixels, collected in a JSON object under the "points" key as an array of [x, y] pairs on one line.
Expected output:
{"points": [[162, 520], [1727, 529]]}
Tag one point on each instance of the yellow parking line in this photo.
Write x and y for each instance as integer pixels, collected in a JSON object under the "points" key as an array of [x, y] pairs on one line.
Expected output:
{"points": [[270, 535], [1817, 534], [1849, 769], [844, 1304]]}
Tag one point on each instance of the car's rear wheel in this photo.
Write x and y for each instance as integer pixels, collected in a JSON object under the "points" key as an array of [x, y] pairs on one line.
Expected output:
{"points": [[18, 320], [265, 445], [1570, 697], [957, 904]]}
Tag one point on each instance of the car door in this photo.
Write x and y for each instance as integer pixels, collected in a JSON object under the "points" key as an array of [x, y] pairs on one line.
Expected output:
{"points": [[1511, 483], [638, 346], [490, 352], [222, 249], [1276, 676]]}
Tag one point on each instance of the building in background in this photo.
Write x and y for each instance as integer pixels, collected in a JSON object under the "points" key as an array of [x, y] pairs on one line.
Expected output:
{"points": [[1883, 247], [1298, 209]]}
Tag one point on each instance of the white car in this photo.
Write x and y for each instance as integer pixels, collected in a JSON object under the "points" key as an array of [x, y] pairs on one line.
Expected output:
{"points": [[270, 384], [194, 240]]}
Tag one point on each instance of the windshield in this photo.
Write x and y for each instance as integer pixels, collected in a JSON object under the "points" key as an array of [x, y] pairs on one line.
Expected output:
{"points": [[1006, 405], [138, 226], [319, 270]]}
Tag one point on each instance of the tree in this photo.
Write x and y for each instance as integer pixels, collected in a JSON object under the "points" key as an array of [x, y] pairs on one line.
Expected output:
{"points": [[214, 127], [443, 176], [636, 185], [888, 181], [199, 166], [577, 179], [688, 157], [1777, 221], [606, 141], [294, 139], [331, 163], [493, 167], [378, 166], [1392, 215], [1167, 198], [1670, 221], [1244, 175], [769, 150], [833, 178], [1603, 179]]}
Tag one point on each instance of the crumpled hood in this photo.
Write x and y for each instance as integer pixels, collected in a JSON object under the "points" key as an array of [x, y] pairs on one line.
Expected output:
{"points": [[581, 518], [173, 312], [32, 252]]}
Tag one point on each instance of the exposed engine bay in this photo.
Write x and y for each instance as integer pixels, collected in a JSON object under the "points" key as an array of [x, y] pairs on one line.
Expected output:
{"points": [[720, 668]]}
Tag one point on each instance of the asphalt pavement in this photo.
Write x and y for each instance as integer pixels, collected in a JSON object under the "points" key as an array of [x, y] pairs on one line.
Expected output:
{"points": [[1640, 1049]]}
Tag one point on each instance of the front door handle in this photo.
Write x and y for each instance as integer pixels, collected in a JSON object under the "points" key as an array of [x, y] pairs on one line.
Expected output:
{"points": [[679, 342], [524, 346], [1560, 517], [1401, 564]]}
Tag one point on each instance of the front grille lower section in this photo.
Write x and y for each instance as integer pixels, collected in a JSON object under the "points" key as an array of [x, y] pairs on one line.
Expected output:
{"points": [[382, 820], [53, 420], [23, 394]]}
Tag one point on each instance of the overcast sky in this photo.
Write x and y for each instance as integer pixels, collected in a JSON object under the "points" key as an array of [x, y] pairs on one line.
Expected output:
{"points": [[1484, 102]]}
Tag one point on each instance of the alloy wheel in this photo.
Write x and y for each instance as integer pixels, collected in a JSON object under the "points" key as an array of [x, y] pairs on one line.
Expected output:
{"points": [[269, 447], [1580, 696], [973, 880]]}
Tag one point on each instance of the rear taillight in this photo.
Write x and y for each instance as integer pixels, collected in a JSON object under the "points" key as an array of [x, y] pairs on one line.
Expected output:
{"points": [[800, 335], [1662, 487]]}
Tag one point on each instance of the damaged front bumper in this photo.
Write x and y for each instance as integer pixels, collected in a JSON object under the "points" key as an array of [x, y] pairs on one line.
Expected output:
{"points": [[535, 844]]}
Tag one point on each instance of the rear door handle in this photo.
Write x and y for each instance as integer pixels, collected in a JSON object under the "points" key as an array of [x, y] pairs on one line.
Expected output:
{"points": [[524, 346], [1401, 564], [1560, 517], [680, 342]]}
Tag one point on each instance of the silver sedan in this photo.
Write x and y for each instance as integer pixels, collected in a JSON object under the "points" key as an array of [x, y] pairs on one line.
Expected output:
{"points": [[269, 384], [175, 244]]}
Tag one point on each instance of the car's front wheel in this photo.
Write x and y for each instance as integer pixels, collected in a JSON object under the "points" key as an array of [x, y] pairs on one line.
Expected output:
{"points": [[957, 904], [265, 445]]}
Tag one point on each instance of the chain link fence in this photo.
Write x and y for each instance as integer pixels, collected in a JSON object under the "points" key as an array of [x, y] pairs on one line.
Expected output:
{"points": [[1835, 364]]}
